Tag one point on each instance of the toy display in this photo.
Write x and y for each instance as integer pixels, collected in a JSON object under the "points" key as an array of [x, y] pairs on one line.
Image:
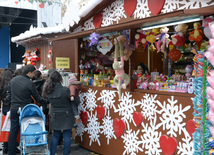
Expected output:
{"points": [[27, 57], [118, 66], [34, 57], [197, 35], [163, 38]]}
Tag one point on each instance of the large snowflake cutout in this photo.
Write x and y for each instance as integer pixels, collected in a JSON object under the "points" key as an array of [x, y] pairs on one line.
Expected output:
{"points": [[90, 100], [127, 107], [94, 129], [142, 9], [131, 143], [81, 105], [80, 130], [88, 25], [148, 106], [150, 138], [186, 147], [108, 128], [113, 13], [107, 97], [172, 116]]}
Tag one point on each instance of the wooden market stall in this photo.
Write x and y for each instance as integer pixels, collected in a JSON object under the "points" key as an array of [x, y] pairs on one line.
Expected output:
{"points": [[117, 127], [111, 126]]}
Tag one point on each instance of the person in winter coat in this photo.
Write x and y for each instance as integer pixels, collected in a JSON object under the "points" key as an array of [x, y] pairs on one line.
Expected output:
{"points": [[39, 83], [6, 76], [20, 90], [62, 117]]}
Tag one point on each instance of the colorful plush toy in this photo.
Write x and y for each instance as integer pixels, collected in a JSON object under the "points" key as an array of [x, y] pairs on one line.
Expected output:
{"points": [[27, 57], [34, 57], [178, 38], [163, 38], [118, 66], [206, 22], [197, 35], [188, 70], [140, 38], [94, 37]]}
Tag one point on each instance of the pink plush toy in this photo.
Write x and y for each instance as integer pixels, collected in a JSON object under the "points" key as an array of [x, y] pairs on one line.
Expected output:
{"points": [[212, 130], [210, 92], [163, 38]]}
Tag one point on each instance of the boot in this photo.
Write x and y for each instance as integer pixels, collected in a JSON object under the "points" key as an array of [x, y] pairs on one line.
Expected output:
{"points": [[5, 148]]}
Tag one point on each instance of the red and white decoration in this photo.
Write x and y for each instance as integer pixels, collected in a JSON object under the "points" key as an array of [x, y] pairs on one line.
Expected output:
{"points": [[149, 138]]}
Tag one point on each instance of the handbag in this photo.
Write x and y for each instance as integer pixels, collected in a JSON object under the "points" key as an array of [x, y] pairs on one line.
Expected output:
{"points": [[4, 135]]}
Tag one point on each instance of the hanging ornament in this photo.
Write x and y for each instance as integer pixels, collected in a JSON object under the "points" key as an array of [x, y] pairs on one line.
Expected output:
{"points": [[42, 5], [191, 127], [138, 118], [174, 54], [130, 6], [16, 2], [50, 56], [84, 116], [155, 6], [97, 20]]}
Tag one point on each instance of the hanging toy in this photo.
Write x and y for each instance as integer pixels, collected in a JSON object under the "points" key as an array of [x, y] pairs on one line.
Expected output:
{"points": [[34, 57], [50, 55], [118, 66], [197, 35], [140, 38], [163, 38], [26, 57], [94, 37], [150, 38], [206, 22]]}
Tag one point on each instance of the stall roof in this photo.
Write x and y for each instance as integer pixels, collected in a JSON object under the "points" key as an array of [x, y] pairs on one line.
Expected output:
{"points": [[137, 23]]}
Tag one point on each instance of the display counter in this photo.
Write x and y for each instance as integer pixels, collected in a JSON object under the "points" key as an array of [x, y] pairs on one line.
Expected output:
{"points": [[164, 113]]}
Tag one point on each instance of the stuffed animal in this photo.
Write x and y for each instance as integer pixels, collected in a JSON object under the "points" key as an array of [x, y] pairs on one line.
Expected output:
{"points": [[34, 57], [26, 57], [178, 39], [163, 38], [94, 37], [188, 70], [127, 49], [118, 66], [206, 22], [197, 35], [140, 38]]}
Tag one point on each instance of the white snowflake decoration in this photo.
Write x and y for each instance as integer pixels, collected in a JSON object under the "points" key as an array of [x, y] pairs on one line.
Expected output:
{"points": [[78, 29], [107, 97], [172, 116], [94, 129], [80, 130], [113, 13], [88, 25], [90, 99], [127, 107], [142, 9], [131, 143], [108, 128], [186, 147], [148, 106], [150, 138], [81, 105]]}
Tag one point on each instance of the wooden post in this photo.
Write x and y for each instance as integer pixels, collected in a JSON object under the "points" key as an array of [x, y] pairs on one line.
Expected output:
{"points": [[132, 41]]}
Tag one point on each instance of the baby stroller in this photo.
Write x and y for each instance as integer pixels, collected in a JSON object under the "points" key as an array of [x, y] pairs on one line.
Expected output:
{"points": [[33, 137]]}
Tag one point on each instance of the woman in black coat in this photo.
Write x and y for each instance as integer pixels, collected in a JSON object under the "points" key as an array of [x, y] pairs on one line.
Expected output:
{"points": [[62, 117]]}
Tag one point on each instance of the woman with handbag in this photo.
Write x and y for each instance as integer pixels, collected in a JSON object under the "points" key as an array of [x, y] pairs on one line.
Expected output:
{"points": [[6, 76], [61, 109]]}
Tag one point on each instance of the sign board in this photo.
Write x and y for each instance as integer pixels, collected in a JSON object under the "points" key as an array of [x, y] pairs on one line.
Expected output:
{"points": [[106, 46], [62, 62]]}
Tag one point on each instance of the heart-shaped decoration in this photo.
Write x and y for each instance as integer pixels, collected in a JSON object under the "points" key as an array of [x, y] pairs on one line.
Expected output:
{"points": [[16, 2], [168, 145], [190, 127], [97, 20], [42, 5], [119, 127], [84, 116], [138, 118], [130, 6], [155, 6], [100, 112]]}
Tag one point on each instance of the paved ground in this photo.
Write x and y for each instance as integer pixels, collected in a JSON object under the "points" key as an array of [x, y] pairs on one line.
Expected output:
{"points": [[75, 149]]}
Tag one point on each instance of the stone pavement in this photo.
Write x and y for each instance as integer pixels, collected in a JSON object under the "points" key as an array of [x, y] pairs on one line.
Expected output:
{"points": [[75, 149]]}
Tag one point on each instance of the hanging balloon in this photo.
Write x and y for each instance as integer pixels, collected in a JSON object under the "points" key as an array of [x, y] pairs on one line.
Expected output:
{"points": [[174, 54], [207, 32]]}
